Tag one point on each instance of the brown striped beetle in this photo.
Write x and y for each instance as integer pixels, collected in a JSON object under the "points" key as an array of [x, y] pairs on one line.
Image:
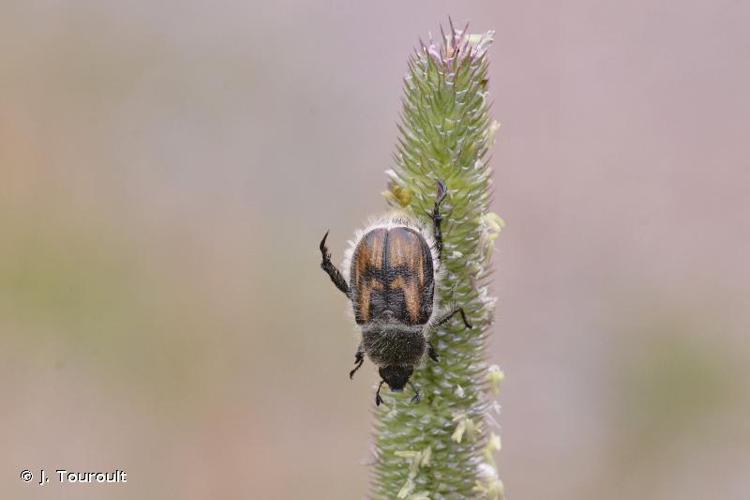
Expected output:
{"points": [[392, 270]]}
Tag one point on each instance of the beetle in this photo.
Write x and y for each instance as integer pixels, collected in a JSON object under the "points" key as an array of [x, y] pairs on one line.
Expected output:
{"points": [[392, 270]]}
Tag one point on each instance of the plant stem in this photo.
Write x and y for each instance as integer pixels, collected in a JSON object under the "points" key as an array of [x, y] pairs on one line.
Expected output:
{"points": [[443, 447]]}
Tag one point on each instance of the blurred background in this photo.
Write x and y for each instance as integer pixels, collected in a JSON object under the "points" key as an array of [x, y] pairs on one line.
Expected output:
{"points": [[166, 173]]}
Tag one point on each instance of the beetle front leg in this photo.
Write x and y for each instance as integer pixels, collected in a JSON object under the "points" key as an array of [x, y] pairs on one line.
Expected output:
{"points": [[452, 313], [330, 269], [437, 218]]}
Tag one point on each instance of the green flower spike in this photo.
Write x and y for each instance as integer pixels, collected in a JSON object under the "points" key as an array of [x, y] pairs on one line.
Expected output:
{"points": [[442, 448]]}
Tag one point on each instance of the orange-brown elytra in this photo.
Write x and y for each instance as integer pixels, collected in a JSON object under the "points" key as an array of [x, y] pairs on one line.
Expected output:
{"points": [[391, 274], [392, 277]]}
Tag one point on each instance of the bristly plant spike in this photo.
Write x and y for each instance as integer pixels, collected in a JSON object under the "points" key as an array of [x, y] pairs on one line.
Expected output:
{"points": [[443, 447]]}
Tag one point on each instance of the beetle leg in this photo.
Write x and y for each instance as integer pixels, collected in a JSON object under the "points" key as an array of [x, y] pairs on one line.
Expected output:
{"points": [[451, 314], [359, 358], [432, 353], [417, 397], [329, 268], [378, 399], [442, 191]]}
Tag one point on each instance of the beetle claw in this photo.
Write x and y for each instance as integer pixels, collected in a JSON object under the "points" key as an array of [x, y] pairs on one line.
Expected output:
{"points": [[466, 321], [417, 397], [442, 191], [323, 241], [378, 399], [323, 248]]}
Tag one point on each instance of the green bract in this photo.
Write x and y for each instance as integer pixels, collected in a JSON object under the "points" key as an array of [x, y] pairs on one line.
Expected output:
{"points": [[443, 447]]}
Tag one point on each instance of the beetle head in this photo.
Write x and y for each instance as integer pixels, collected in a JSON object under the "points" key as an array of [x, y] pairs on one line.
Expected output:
{"points": [[396, 376]]}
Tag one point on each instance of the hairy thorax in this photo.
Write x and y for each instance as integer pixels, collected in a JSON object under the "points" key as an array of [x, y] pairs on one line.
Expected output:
{"points": [[393, 343]]}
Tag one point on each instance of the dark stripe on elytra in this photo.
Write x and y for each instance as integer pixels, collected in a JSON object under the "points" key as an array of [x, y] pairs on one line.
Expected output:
{"points": [[387, 286], [382, 276], [396, 297]]}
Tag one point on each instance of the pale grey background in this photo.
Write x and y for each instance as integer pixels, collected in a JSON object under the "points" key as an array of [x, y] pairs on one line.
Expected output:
{"points": [[167, 170]]}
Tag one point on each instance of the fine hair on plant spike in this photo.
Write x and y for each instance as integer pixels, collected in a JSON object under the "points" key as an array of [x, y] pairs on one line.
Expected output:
{"points": [[443, 447]]}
